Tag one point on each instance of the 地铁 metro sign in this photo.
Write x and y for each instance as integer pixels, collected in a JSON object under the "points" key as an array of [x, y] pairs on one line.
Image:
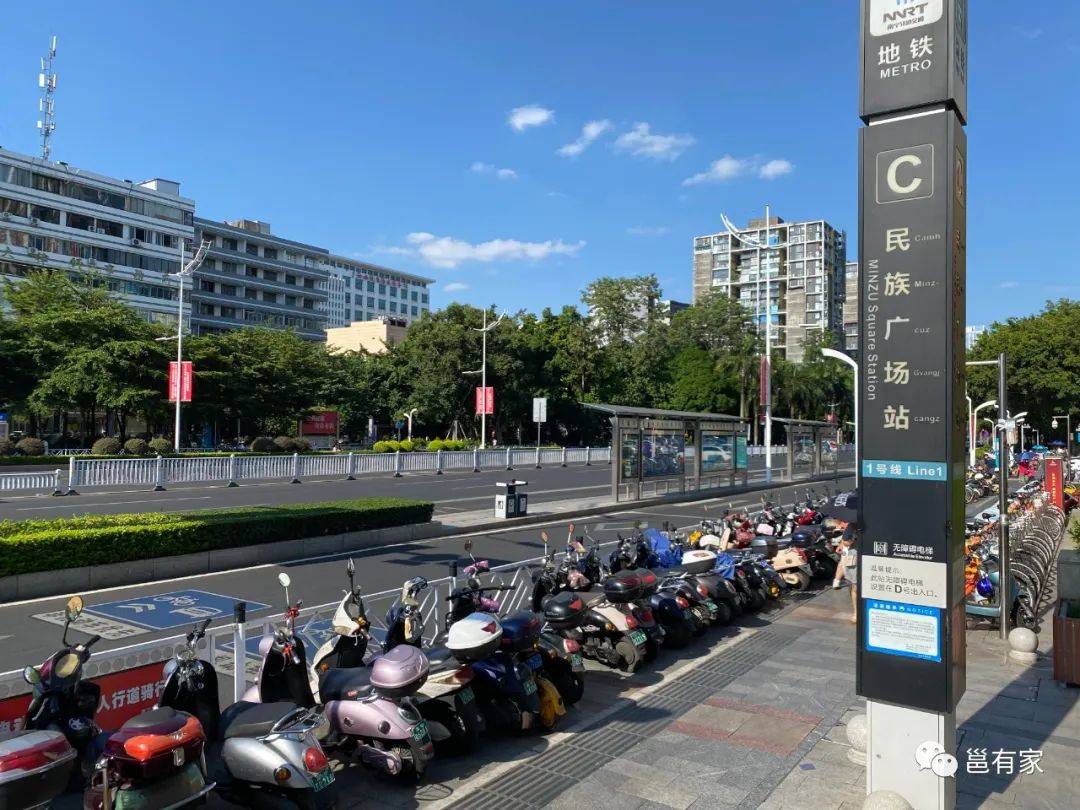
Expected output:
{"points": [[182, 380]]}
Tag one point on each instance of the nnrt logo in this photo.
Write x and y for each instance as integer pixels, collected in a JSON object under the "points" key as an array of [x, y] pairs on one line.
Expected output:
{"points": [[890, 16]]}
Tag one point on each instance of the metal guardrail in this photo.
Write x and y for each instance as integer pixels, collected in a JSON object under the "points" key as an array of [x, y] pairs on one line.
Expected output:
{"points": [[233, 469], [32, 480]]}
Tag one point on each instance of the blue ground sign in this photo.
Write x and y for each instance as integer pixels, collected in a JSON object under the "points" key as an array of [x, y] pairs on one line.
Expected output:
{"points": [[165, 611]]}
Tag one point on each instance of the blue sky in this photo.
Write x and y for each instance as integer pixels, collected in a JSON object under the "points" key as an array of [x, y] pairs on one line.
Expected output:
{"points": [[389, 131]]}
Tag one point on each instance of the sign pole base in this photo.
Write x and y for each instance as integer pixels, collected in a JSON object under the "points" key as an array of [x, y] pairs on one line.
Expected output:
{"points": [[897, 751]]}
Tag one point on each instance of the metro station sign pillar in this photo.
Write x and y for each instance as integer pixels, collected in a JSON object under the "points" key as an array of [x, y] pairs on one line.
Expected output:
{"points": [[912, 414]]}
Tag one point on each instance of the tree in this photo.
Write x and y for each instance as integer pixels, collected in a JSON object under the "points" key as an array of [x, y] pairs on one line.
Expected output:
{"points": [[621, 308]]}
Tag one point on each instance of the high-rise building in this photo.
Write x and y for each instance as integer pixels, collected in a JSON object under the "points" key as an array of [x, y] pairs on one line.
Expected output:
{"points": [[362, 291], [971, 334], [252, 278], [799, 279], [851, 308], [129, 234]]}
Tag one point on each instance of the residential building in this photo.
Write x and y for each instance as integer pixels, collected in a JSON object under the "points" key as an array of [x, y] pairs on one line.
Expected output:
{"points": [[669, 307], [851, 308], [799, 279], [374, 337], [362, 291], [251, 277], [127, 234], [971, 334]]}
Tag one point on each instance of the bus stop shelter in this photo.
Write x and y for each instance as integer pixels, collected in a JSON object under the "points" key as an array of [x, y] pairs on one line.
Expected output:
{"points": [[660, 452], [812, 448]]}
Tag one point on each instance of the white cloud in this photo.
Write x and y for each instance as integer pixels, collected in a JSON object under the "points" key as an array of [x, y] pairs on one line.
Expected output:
{"points": [[648, 230], [1030, 33], [719, 171], [1008, 285], [728, 168], [775, 168], [448, 252], [642, 142], [455, 286], [531, 115], [488, 168], [589, 133]]}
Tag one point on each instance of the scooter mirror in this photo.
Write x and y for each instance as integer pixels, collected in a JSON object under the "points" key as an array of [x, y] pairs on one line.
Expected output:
{"points": [[74, 608], [544, 536], [468, 546], [284, 579], [31, 676], [350, 568]]}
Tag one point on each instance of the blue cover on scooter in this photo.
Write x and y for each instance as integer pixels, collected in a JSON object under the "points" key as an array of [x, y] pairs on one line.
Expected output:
{"points": [[665, 553], [725, 565]]}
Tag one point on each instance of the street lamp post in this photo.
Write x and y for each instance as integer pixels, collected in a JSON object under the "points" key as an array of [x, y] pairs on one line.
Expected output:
{"points": [[972, 422], [409, 416], [843, 358], [185, 270], [483, 330], [1068, 432], [762, 250]]}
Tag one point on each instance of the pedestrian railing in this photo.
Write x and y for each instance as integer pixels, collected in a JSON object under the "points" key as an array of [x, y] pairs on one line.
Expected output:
{"points": [[235, 469], [32, 480]]}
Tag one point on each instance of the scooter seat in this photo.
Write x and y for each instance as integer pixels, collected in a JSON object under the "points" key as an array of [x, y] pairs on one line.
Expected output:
{"points": [[155, 718], [440, 658], [345, 684], [245, 719]]}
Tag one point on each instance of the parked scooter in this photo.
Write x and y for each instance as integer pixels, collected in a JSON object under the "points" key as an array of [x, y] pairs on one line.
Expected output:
{"points": [[446, 699], [261, 755], [370, 709], [514, 692], [155, 759]]}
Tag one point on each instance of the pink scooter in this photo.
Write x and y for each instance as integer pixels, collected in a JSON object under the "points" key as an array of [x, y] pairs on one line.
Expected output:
{"points": [[369, 708]]}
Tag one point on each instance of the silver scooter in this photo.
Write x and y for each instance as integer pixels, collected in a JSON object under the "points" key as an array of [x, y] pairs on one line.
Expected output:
{"points": [[263, 755]]}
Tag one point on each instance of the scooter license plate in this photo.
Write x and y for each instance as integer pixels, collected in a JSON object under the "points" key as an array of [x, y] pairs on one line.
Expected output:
{"points": [[466, 695], [323, 780], [420, 731], [688, 614], [713, 609], [576, 663], [535, 662], [529, 687], [638, 637]]}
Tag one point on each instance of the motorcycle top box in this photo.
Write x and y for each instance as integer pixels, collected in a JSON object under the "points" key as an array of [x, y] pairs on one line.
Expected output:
{"points": [[156, 743], [34, 766], [649, 581], [622, 588], [564, 611], [521, 632], [698, 561], [474, 638], [400, 672]]}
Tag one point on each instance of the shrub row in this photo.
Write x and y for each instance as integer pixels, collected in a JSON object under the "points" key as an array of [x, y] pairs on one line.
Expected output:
{"points": [[409, 445], [28, 446], [47, 545]]}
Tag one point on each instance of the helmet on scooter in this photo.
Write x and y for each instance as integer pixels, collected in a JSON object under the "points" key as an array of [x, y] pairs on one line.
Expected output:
{"points": [[985, 587], [803, 537]]}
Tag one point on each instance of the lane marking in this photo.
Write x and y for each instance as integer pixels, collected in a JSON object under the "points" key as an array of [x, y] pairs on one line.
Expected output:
{"points": [[562, 521], [111, 503]]}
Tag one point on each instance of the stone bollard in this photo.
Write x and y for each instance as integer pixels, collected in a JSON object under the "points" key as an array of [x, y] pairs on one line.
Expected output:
{"points": [[1022, 645], [857, 733], [885, 800]]}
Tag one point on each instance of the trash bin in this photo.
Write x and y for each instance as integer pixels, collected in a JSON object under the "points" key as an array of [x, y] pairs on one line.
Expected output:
{"points": [[510, 502]]}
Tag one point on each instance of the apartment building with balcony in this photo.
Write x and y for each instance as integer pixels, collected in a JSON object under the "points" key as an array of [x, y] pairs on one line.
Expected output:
{"points": [[851, 308], [251, 277], [126, 234], [788, 274], [362, 291]]}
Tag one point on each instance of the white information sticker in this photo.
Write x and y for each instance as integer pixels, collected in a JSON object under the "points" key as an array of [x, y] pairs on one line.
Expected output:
{"points": [[911, 631], [913, 582], [893, 16]]}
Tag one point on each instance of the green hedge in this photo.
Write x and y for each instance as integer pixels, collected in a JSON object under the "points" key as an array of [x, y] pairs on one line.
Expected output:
{"points": [[47, 545]]}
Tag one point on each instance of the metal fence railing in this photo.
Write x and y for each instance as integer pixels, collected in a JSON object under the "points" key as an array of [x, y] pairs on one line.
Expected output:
{"points": [[32, 481], [234, 469]]}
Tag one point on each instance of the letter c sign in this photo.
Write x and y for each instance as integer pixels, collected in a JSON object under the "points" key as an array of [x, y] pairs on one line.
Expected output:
{"points": [[905, 174]]}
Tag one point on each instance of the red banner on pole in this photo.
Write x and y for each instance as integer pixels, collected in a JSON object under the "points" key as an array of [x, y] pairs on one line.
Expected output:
{"points": [[1053, 483], [485, 400], [322, 423], [185, 379]]}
